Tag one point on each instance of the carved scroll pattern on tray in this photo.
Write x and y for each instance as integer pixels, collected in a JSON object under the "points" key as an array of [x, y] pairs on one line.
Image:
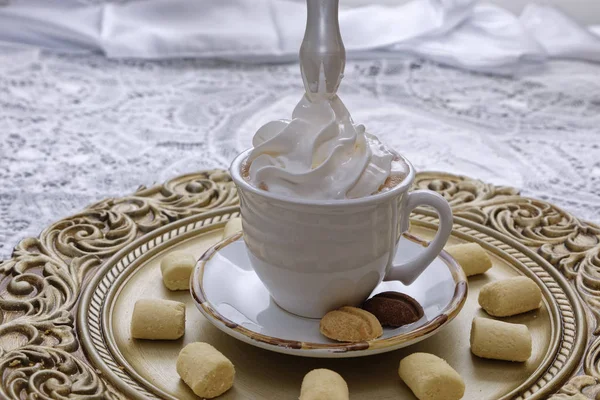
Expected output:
{"points": [[40, 356]]}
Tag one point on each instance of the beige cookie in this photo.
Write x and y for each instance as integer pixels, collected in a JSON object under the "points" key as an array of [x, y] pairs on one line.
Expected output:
{"points": [[176, 269], [158, 319], [500, 340], [350, 324], [471, 257], [233, 226], [323, 384], [205, 370], [510, 296], [431, 378]]}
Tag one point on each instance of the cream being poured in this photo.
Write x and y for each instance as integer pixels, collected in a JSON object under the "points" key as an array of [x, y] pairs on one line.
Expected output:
{"points": [[320, 154]]}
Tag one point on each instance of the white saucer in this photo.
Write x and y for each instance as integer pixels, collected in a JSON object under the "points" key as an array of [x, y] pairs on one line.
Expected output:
{"points": [[228, 292]]}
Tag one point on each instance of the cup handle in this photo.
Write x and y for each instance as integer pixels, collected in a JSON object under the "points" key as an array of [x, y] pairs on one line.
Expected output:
{"points": [[410, 270]]}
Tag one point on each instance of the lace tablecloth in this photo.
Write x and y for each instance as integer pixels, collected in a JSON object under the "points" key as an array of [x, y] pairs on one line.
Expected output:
{"points": [[76, 129]]}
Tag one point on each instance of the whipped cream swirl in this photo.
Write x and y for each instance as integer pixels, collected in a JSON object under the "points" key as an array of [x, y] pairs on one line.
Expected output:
{"points": [[319, 154]]}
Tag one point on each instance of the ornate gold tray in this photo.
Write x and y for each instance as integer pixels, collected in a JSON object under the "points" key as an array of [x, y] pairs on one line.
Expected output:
{"points": [[65, 300]]}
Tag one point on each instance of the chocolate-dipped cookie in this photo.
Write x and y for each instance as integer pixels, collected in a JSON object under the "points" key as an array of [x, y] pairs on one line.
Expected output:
{"points": [[394, 309]]}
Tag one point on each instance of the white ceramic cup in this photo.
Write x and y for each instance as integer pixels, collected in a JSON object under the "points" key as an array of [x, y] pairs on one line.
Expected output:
{"points": [[317, 255]]}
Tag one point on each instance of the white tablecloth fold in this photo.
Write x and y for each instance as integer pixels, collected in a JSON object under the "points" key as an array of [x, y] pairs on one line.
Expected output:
{"points": [[462, 33]]}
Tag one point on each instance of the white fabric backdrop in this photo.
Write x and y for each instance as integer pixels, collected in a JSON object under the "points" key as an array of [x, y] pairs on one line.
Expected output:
{"points": [[466, 33], [76, 129], [584, 11]]}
